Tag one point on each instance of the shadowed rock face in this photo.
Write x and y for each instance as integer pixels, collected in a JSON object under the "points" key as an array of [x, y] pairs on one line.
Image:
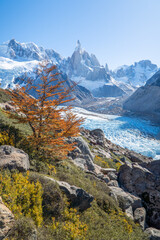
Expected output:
{"points": [[146, 100], [144, 181], [108, 91], [77, 196]]}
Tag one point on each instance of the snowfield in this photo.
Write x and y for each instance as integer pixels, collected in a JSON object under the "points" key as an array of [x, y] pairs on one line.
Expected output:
{"points": [[132, 133], [10, 69]]}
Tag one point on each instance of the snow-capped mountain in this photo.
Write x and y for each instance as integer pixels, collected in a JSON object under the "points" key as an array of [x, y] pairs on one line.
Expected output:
{"points": [[28, 51], [85, 69], [18, 58], [21, 59], [10, 69], [135, 75]]}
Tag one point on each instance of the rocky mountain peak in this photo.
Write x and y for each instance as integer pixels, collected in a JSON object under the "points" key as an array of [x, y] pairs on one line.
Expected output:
{"points": [[146, 64], [78, 46]]}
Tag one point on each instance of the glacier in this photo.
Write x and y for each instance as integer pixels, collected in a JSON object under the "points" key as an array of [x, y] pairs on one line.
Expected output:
{"points": [[128, 132]]}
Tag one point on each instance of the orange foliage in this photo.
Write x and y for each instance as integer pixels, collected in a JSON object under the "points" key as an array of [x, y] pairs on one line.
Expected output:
{"points": [[51, 123]]}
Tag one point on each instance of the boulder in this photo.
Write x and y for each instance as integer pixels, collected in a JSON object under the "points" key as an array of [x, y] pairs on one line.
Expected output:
{"points": [[113, 183], [77, 196], [106, 179], [144, 181], [13, 158], [140, 216], [6, 220], [112, 175], [127, 202], [82, 155], [154, 234], [137, 157], [99, 136]]}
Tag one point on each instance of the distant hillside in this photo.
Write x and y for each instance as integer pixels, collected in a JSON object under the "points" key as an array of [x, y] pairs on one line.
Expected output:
{"points": [[146, 100]]}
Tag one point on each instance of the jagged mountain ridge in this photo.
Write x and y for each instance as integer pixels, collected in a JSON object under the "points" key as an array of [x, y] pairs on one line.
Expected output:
{"points": [[80, 67], [84, 68], [21, 59], [28, 51], [136, 74]]}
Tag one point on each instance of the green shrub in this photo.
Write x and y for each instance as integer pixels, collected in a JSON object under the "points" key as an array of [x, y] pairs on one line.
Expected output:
{"points": [[112, 226], [23, 229]]}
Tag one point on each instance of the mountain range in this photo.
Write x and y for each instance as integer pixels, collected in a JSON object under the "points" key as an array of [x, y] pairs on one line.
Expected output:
{"points": [[93, 79]]}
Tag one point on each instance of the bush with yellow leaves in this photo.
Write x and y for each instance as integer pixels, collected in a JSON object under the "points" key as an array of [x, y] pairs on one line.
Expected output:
{"points": [[71, 226], [5, 139], [23, 198]]}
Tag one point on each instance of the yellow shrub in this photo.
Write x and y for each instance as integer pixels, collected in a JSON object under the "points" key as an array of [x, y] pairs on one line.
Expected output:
{"points": [[21, 196], [121, 218], [72, 227], [5, 139], [100, 161]]}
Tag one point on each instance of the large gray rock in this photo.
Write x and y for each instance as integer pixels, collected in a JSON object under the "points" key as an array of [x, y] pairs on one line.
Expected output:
{"points": [[153, 233], [6, 220], [144, 181], [98, 136], [82, 155], [127, 202], [13, 158], [77, 196], [140, 216]]}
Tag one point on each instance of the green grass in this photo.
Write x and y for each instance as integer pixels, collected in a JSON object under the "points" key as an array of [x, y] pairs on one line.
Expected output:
{"points": [[4, 96], [6, 121]]}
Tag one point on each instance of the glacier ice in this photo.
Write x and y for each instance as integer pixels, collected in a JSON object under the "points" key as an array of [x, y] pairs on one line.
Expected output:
{"points": [[133, 133]]}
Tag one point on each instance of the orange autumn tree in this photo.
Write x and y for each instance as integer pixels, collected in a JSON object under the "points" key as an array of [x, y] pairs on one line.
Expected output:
{"points": [[50, 122]]}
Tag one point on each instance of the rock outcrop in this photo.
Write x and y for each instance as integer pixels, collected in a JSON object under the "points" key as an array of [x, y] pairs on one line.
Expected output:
{"points": [[153, 233], [82, 155], [144, 181], [77, 196], [136, 185], [140, 217], [6, 220], [106, 148], [13, 158], [127, 202]]}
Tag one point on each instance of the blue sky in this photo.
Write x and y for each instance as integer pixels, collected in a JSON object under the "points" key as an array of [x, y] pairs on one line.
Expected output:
{"points": [[118, 32]]}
